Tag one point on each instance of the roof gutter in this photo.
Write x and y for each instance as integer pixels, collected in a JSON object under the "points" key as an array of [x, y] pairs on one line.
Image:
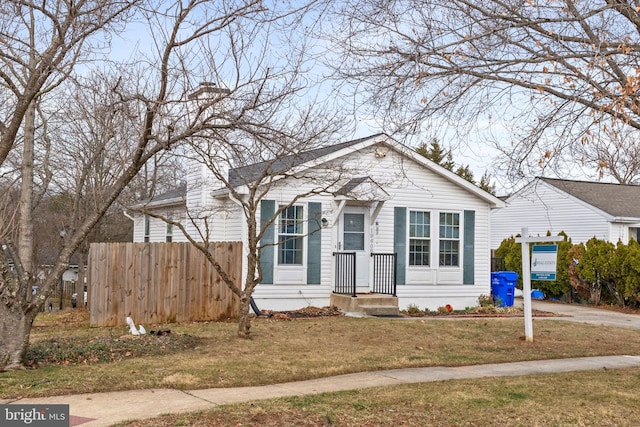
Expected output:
{"points": [[161, 203], [125, 213], [626, 219]]}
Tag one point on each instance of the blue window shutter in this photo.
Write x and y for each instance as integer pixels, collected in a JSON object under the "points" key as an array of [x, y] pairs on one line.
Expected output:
{"points": [[314, 247], [267, 209], [468, 263], [400, 242]]}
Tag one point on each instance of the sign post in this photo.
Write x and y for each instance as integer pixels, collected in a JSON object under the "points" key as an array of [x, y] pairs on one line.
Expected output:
{"points": [[526, 275]]}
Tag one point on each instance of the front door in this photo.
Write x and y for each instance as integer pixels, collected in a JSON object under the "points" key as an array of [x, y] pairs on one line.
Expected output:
{"points": [[354, 237]]}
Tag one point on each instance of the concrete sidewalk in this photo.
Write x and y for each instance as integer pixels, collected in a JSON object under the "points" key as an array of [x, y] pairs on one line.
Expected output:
{"points": [[105, 409]]}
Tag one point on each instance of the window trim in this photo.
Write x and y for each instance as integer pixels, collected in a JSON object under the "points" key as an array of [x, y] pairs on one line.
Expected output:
{"points": [[299, 236], [428, 239], [435, 239], [453, 239], [147, 228], [169, 232], [361, 234]]}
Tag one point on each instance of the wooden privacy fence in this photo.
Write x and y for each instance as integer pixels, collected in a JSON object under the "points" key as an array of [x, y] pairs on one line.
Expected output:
{"points": [[160, 283]]}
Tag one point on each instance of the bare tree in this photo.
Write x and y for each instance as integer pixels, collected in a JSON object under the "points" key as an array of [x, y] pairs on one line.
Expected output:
{"points": [[614, 152], [154, 88], [550, 74], [41, 44], [96, 151], [261, 126], [240, 185]]}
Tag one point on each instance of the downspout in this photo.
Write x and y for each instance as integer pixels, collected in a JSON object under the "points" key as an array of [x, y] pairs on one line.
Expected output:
{"points": [[255, 308]]}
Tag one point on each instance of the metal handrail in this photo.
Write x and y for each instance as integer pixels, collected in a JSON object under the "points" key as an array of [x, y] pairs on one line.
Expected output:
{"points": [[345, 273], [385, 267]]}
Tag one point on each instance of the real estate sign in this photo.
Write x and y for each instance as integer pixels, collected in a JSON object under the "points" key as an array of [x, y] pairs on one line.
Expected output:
{"points": [[543, 263]]}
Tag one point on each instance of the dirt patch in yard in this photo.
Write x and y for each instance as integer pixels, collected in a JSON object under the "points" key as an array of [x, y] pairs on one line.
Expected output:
{"points": [[304, 313], [479, 312], [100, 349]]}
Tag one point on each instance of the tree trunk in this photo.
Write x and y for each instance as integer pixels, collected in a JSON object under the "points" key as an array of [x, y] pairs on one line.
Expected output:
{"points": [[244, 318], [15, 329], [596, 293], [25, 239]]}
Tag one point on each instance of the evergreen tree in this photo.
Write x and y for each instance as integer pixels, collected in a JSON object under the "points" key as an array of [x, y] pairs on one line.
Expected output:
{"points": [[437, 154]]}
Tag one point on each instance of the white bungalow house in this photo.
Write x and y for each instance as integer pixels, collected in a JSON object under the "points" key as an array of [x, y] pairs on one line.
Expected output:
{"points": [[581, 209], [389, 204]]}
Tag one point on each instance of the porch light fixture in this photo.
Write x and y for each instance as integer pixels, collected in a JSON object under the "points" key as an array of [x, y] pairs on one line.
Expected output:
{"points": [[325, 222], [380, 152]]}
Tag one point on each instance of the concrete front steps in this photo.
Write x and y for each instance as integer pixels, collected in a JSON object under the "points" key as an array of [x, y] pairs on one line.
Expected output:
{"points": [[367, 304]]}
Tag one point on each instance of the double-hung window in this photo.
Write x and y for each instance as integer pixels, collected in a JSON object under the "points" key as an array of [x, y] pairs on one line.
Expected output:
{"points": [[290, 236], [419, 238], [147, 227], [169, 233], [449, 239]]}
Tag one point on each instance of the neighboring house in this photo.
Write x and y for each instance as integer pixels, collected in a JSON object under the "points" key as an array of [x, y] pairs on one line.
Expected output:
{"points": [[581, 209], [388, 200], [171, 204]]}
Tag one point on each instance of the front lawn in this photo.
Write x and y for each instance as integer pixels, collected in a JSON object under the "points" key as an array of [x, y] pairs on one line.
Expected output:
{"points": [[208, 354]]}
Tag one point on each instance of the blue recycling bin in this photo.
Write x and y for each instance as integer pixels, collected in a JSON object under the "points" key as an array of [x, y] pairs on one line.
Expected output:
{"points": [[537, 294], [503, 285]]}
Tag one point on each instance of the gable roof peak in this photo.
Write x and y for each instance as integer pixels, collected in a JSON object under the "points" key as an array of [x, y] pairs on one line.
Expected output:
{"points": [[245, 174], [618, 200]]}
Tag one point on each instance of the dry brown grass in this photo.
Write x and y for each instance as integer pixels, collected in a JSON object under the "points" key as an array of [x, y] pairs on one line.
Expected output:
{"points": [[592, 398], [302, 349]]}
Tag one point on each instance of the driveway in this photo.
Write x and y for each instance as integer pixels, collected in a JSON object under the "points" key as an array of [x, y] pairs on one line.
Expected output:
{"points": [[584, 314]]}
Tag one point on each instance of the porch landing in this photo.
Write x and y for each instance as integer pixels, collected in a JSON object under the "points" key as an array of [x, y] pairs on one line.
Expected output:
{"points": [[368, 304]]}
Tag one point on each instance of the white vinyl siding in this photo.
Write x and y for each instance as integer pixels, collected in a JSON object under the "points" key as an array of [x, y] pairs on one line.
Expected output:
{"points": [[541, 208], [406, 184], [418, 189], [158, 230]]}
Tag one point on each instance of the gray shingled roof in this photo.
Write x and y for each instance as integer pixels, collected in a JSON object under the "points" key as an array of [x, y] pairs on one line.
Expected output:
{"points": [[351, 185], [250, 173], [246, 174], [619, 200], [346, 189], [176, 193]]}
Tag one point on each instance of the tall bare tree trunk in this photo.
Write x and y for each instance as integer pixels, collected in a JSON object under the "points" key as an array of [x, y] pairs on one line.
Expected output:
{"points": [[15, 329], [16, 313], [25, 239]]}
